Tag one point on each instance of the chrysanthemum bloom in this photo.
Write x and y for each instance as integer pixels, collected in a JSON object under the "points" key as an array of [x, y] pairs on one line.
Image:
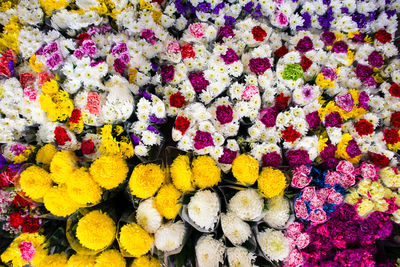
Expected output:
{"points": [[82, 189], [46, 154], [167, 200], [111, 257], [59, 203], [181, 173], [147, 261], [135, 240], [35, 182], [62, 166], [78, 260], [96, 230], [236, 230], [278, 212], [147, 216], [245, 169], [170, 236], [209, 251], [271, 182], [203, 209], [109, 171], [146, 179], [274, 244], [54, 260], [247, 204], [239, 256], [205, 172]]}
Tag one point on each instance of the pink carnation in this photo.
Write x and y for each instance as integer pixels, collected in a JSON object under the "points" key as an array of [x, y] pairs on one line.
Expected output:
{"points": [[30, 93], [249, 92], [302, 240], [294, 230], [173, 47], [308, 193], [332, 178], [300, 180], [348, 180], [93, 103], [368, 171], [335, 198], [300, 208], [27, 250], [345, 167], [318, 216], [317, 202], [196, 29], [295, 259], [282, 19]]}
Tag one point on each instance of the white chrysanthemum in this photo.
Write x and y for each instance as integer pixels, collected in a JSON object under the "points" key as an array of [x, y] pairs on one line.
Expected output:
{"points": [[148, 217], [209, 252], [239, 256], [170, 236], [236, 230], [247, 204], [274, 244], [203, 209], [278, 212]]}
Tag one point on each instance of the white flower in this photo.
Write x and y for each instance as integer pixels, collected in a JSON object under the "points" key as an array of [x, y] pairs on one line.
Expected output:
{"points": [[239, 256], [278, 212], [236, 230], [149, 138], [247, 204], [203, 209], [274, 244], [147, 216], [141, 150], [170, 236], [209, 252]]}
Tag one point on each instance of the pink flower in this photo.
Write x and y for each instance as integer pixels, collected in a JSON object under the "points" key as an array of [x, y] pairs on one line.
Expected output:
{"points": [[300, 208], [318, 216], [347, 180], [302, 240], [295, 258], [282, 19], [300, 180], [332, 178], [93, 103], [317, 202], [27, 250], [335, 198], [196, 29], [345, 167], [173, 47], [308, 193], [30, 93], [249, 92], [294, 230], [368, 171]]}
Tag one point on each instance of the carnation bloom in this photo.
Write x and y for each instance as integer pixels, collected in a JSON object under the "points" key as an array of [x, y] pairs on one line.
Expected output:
{"points": [[96, 230], [236, 230], [205, 172], [170, 236], [147, 216], [209, 251], [166, 201], [203, 209], [82, 189], [62, 166], [181, 173], [111, 257], [272, 182], [45, 154], [35, 182], [59, 203], [135, 240], [274, 244], [146, 179], [278, 212], [247, 204], [239, 256], [245, 169], [147, 261], [77, 260], [109, 171]]}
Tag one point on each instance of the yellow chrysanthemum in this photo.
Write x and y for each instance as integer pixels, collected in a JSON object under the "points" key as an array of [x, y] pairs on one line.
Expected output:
{"points": [[147, 261], [181, 173], [205, 172], [31, 241], [146, 179], [62, 166], [9, 37], [54, 260], [109, 171], [96, 230], [166, 201], [79, 260], [58, 202], [135, 240], [245, 169], [35, 182], [50, 87], [46, 154], [341, 151], [35, 64], [50, 5], [324, 83], [272, 182], [111, 257], [82, 188]]}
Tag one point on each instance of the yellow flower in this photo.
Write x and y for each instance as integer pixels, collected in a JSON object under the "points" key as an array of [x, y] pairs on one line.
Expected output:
{"points": [[146, 261], [96, 230], [79, 260], [376, 191], [363, 187], [62, 166], [58, 106], [35, 182], [135, 240], [365, 206], [205, 172], [25, 155], [46, 154], [272, 182], [82, 188], [324, 83], [58, 202], [35, 65], [50, 87], [109, 171], [245, 169], [381, 205], [389, 178], [50, 5], [349, 57], [54, 260], [166, 201], [145, 180], [111, 257], [352, 197], [9, 37], [181, 173], [341, 151]]}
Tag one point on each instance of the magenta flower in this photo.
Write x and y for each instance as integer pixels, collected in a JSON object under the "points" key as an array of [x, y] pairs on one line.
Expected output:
{"points": [[202, 140], [259, 65], [224, 114]]}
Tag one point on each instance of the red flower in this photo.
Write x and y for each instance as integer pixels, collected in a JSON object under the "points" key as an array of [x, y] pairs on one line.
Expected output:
{"points": [[364, 127], [61, 136], [157, 1], [87, 147], [305, 63], [395, 119], [82, 37], [379, 159], [391, 136], [394, 90], [21, 202], [281, 102], [383, 36], [177, 100], [187, 51], [290, 134], [281, 51], [44, 77], [26, 79], [16, 219], [75, 116], [258, 33], [7, 177], [30, 225], [182, 124]]}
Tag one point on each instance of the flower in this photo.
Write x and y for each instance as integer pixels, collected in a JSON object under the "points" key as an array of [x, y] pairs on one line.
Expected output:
{"points": [[247, 204], [272, 182], [87, 147], [166, 201], [177, 100], [245, 169], [236, 230], [109, 171], [82, 188], [62, 166], [95, 230], [224, 114], [205, 172], [383, 36], [182, 124], [203, 209], [147, 261], [274, 244], [258, 33], [81, 260], [111, 257], [54, 260], [46, 154], [202, 140], [170, 236], [135, 240], [259, 65], [239, 256], [209, 251], [292, 72], [58, 202], [181, 173], [145, 180], [167, 73], [364, 127], [278, 212], [198, 81], [304, 45], [187, 51], [298, 157], [147, 216], [35, 182]]}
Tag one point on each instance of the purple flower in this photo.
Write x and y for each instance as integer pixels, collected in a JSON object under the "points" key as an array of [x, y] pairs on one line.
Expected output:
{"points": [[124, 58], [204, 7], [298, 157], [333, 119], [152, 129], [226, 31], [119, 66], [11, 67], [313, 119], [329, 73], [328, 37], [95, 63], [230, 56], [3, 161], [268, 117], [352, 149], [346, 102], [358, 38], [307, 22], [360, 19], [167, 73], [202, 140], [78, 53], [198, 81], [55, 60], [145, 95], [218, 8], [40, 51], [93, 30], [153, 118], [363, 71], [119, 49], [272, 159], [375, 59], [363, 100], [17, 149], [228, 156], [146, 34], [370, 81], [224, 114], [229, 20], [50, 48], [259, 65], [340, 47], [304, 45], [135, 139], [89, 47]]}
